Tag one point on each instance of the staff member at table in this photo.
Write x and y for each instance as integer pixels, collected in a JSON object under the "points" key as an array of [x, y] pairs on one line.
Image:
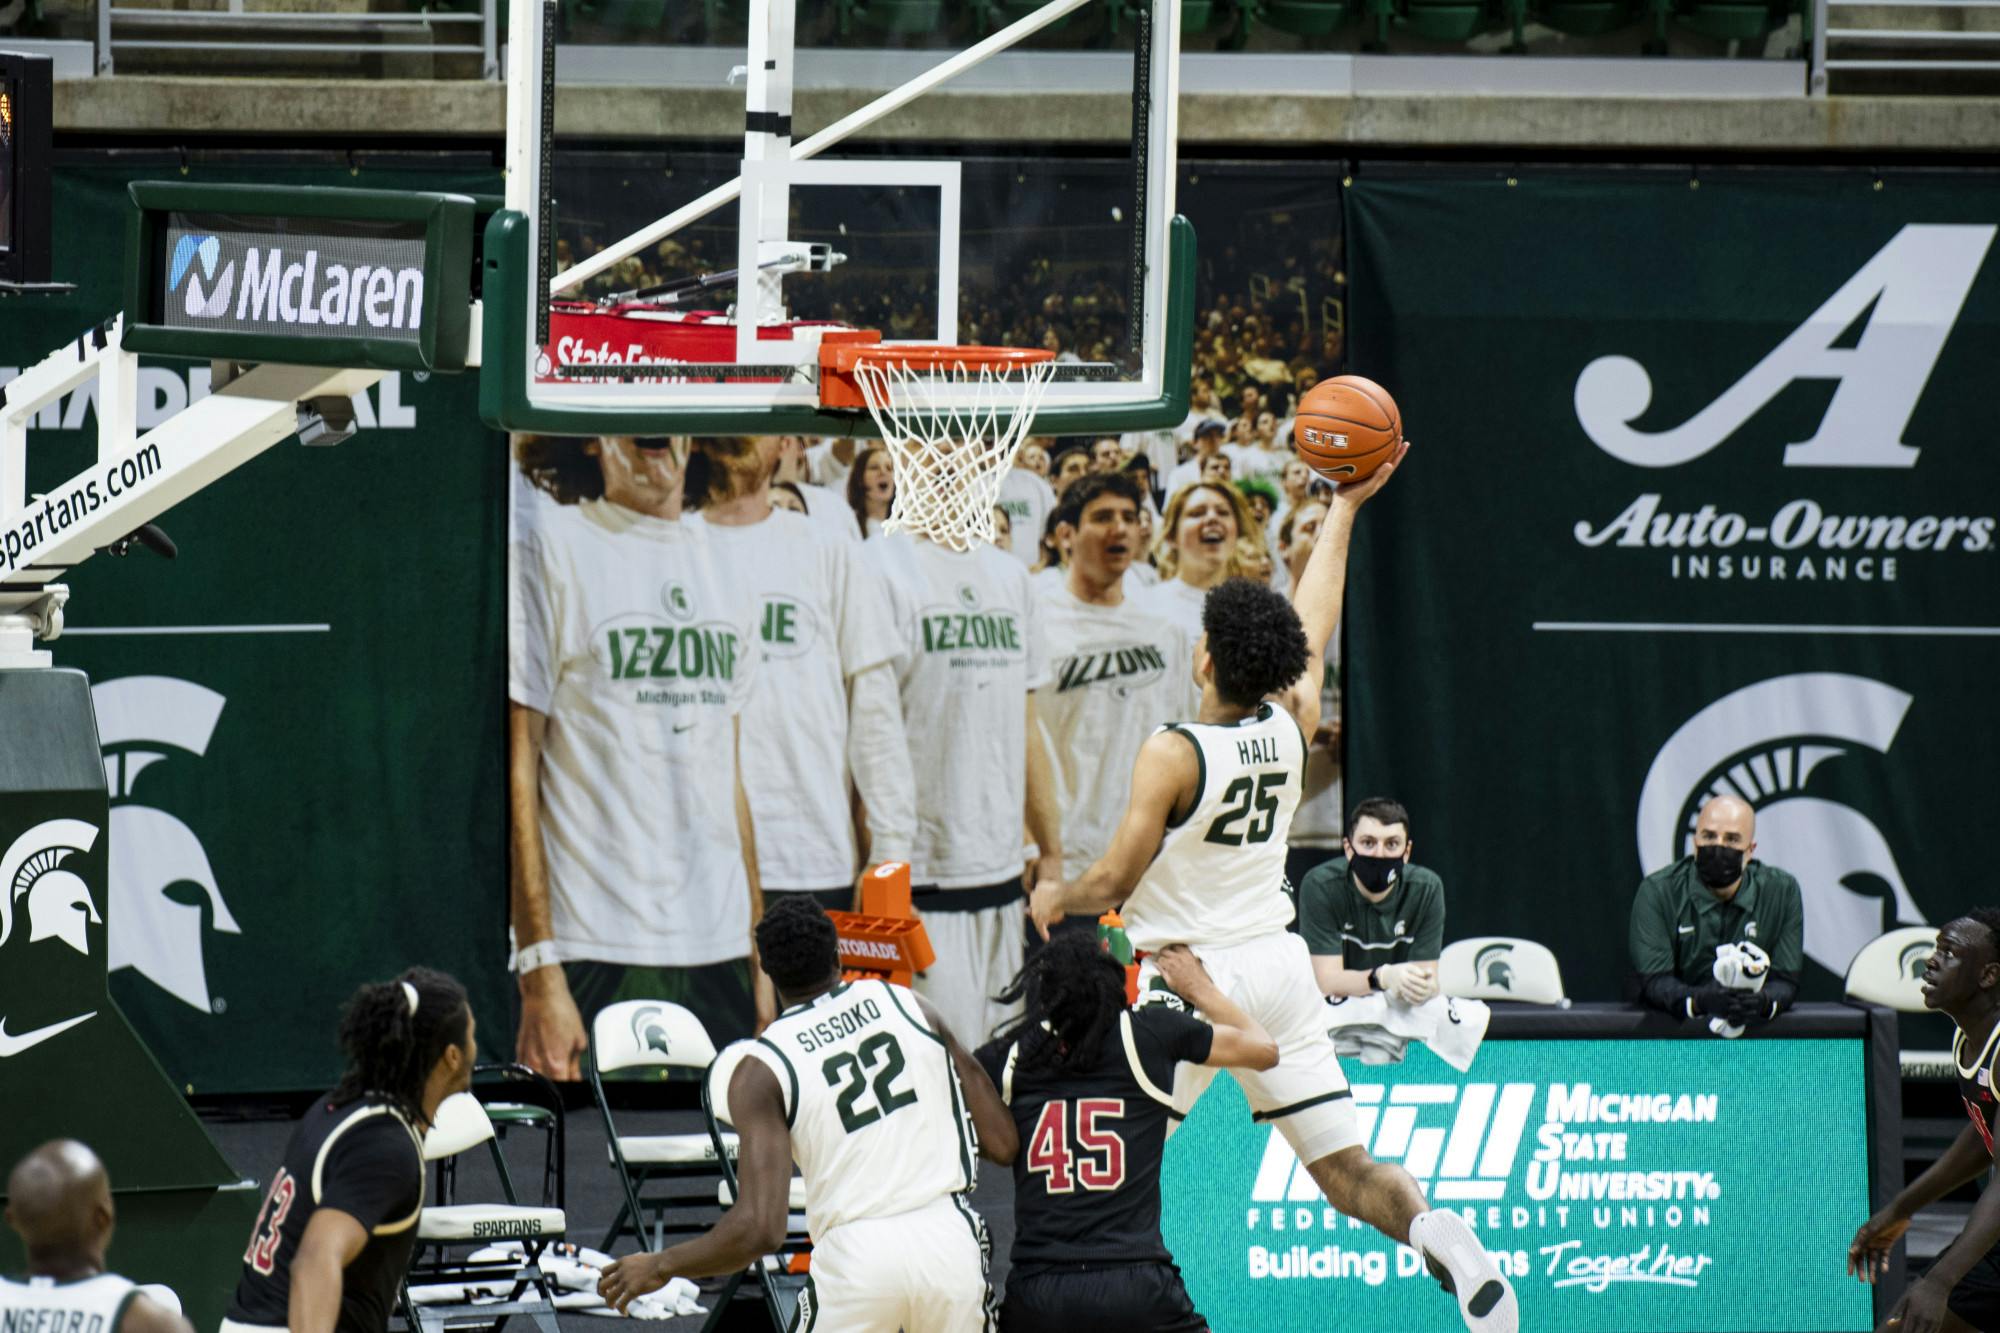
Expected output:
{"points": [[1371, 919], [1717, 895]]}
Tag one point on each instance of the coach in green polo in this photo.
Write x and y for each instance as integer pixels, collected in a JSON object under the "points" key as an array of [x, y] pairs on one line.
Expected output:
{"points": [[1717, 895], [1371, 920]]}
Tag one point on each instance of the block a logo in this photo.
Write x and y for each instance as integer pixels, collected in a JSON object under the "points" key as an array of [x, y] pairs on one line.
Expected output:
{"points": [[153, 854], [1762, 744], [1910, 962], [1493, 965], [207, 250], [1459, 1142], [1909, 295], [54, 904]]}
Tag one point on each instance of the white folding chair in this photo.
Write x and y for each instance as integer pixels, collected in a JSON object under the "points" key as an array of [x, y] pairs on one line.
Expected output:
{"points": [[1499, 967], [449, 1230], [780, 1287], [1889, 971], [669, 1180]]}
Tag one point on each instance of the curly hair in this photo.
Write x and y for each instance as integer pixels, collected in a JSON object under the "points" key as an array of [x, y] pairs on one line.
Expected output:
{"points": [[560, 465], [1167, 556], [391, 1049], [1255, 640], [1073, 992], [796, 944]]}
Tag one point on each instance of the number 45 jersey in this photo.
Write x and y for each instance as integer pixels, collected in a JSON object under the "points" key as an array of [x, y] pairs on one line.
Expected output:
{"points": [[878, 1121], [1219, 876]]}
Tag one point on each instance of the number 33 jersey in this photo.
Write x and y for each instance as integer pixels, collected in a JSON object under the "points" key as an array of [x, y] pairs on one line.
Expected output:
{"points": [[1219, 876], [878, 1120]]}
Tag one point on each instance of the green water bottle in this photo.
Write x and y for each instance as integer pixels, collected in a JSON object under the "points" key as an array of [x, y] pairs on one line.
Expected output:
{"points": [[1112, 939]]}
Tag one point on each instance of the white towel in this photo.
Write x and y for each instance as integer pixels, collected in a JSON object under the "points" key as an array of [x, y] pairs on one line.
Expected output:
{"points": [[1377, 1030], [573, 1268], [1738, 967]]}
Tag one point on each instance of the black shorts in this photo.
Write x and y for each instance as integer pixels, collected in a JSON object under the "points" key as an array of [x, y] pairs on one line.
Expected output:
{"points": [[1090, 1298], [1976, 1298]]}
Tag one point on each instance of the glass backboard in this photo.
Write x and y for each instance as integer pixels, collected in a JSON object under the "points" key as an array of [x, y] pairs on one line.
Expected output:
{"points": [[700, 296]]}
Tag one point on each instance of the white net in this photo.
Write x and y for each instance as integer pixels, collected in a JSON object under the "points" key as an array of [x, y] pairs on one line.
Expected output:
{"points": [[952, 431]]}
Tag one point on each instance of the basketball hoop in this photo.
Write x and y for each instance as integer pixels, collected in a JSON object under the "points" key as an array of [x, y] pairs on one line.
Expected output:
{"points": [[952, 419]]}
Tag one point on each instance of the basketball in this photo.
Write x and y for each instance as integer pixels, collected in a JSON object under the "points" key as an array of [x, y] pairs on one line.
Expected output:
{"points": [[1347, 427]]}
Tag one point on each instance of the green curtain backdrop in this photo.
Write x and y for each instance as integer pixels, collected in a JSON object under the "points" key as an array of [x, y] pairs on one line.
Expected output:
{"points": [[317, 802], [1702, 498]]}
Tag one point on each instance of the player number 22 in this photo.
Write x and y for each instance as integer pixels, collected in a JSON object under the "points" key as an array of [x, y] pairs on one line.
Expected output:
{"points": [[1237, 801], [1099, 1163], [845, 1068]]}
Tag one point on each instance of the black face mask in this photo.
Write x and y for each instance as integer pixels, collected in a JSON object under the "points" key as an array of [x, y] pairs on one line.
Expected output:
{"points": [[1377, 874], [1718, 866]]}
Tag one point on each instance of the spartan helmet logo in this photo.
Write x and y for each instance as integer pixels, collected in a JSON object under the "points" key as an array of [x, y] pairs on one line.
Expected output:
{"points": [[1762, 744], [1492, 965], [160, 876], [55, 901], [674, 601], [1910, 962], [968, 596], [649, 1030]]}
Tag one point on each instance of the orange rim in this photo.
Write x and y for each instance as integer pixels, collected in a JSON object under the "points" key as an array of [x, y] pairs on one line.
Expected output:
{"points": [[846, 356]]}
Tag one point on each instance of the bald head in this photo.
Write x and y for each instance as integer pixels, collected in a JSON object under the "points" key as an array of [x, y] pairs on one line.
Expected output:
{"points": [[59, 1199], [1723, 816]]}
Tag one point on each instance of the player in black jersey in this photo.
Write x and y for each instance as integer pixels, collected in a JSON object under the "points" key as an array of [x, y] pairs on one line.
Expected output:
{"points": [[1090, 1084], [1962, 1289], [334, 1237]]}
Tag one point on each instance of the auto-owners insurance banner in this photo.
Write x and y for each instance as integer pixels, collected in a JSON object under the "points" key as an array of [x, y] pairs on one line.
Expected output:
{"points": [[1704, 497]]}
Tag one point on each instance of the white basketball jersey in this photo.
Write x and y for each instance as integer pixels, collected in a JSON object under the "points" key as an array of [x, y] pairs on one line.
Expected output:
{"points": [[1219, 876], [92, 1305], [878, 1121]]}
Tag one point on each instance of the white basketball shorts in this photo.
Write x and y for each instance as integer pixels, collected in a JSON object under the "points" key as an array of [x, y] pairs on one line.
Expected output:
{"points": [[1306, 1095], [923, 1271]]}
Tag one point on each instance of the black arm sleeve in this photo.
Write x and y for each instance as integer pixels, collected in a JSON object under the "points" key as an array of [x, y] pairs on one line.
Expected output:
{"points": [[1667, 992]]}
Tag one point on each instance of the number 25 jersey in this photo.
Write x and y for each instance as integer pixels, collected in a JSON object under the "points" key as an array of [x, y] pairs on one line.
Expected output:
{"points": [[1219, 876], [878, 1120]]}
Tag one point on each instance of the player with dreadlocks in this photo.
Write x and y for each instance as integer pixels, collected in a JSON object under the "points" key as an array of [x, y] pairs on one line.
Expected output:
{"points": [[1088, 1082], [338, 1225]]}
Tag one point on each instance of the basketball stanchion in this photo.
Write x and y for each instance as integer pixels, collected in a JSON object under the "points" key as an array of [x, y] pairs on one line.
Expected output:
{"points": [[885, 940]]}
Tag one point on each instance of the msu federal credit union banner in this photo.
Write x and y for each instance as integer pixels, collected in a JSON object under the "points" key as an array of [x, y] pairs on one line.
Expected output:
{"points": [[1703, 500], [1627, 1186]]}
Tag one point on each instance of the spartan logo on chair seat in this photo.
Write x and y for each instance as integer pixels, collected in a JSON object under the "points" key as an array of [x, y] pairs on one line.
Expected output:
{"points": [[154, 856], [1763, 743], [1491, 966], [649, 1030]]}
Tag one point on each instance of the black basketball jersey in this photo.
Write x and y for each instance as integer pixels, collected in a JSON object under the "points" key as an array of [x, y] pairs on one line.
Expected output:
{"points": [[1087, 1178], [365, 1159], [1975, 1082]]}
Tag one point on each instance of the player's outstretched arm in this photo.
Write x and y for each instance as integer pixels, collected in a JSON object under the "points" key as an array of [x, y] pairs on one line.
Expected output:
{"points": [[1240, 1041], [1925, 1306], [753, 1227], [999, 1140], [1323, 585], [1966, 1159], [1163, 780]]}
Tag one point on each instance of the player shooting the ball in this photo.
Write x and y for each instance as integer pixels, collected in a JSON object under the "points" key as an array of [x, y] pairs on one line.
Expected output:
{"points": [[1214, 799]]}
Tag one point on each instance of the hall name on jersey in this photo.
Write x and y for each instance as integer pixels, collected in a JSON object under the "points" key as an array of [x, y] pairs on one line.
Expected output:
{"points": [[954, 633], [1257, 750], [1091, 668], [44, 1319], [841, 1025]]}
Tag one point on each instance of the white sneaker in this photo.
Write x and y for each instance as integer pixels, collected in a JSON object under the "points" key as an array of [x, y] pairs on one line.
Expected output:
{"points": [[1485, 1298]]}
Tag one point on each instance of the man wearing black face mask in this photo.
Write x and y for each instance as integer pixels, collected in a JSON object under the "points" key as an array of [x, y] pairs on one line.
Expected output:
{"points": [[1373, 921], [1717, 895]]}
